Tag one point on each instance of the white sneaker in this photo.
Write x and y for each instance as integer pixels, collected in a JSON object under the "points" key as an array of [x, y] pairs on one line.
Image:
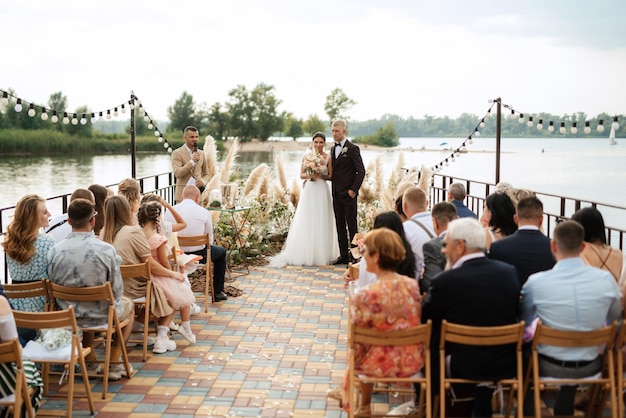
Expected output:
{"points": [[138, 338], [118, 371], [94, 368], [163, 345], [195, 309], [187, 334], [173, 325]]}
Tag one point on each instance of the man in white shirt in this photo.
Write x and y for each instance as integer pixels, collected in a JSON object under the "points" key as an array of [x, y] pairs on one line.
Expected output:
{"points": [[199, 222], [419, 224], [58, 227]]}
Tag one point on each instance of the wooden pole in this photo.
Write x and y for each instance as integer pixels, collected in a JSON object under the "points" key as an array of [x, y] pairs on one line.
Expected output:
{"points": [[133, 147], [498, 128]]}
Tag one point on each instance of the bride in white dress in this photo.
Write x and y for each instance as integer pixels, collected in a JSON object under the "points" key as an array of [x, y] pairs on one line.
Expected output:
{"points": [[312, 237]]}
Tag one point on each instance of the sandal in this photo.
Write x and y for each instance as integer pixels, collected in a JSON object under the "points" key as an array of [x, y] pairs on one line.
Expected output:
{"points": [[335, 393], [364, 411]]}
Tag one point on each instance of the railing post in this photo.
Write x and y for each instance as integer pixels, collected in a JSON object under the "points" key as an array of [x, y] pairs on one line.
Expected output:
{"points": [[133, 150], [498, 130]]}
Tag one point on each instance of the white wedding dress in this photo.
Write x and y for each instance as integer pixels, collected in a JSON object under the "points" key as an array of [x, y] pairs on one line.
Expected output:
{"points": [[312, 236]]}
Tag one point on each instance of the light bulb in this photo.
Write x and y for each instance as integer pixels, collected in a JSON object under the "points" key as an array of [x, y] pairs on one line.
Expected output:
{"points": [[615, 124], [115, 112], [169, 150], [44, 114], [160, 139], [131, 105], [463, 148], [146, 118], [452, 158], [600, 126], [574, 129], [66, 120], [5, 99], [83, 120], [123, 109], [530, 122], [100, 116], [18, 105], [512, 113], [142, 112], [476, 133], [562, 128], [551, 127], [31, 110], [74, 120], [482, 123], [165, 145], [157, 133], [521, 118], [471, 141], [540, 125], [93, 118], [109, 114], [54, 118], [150, 126]]}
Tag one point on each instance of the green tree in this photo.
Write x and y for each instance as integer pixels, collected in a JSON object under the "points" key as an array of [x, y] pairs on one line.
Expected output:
{"points": [[265, 115], [240, 110], [337, 104], [313, 124], [385, 136], [218, 122], [293, 126], [182, 113]]}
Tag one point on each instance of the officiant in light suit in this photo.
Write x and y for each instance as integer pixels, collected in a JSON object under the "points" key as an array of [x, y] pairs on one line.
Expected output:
{"points": [[189, 164]]}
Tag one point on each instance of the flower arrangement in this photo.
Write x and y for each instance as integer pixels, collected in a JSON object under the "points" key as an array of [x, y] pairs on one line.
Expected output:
{"points": [[313, 163]]}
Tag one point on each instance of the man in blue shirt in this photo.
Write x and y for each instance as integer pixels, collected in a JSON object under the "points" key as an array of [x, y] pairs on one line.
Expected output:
{"points": [[571, 296], [456, 196]]}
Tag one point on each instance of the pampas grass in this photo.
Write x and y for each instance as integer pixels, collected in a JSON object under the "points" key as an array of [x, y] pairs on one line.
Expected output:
{"points": [[254, 179], [295, 193], [210, 154], [229, 161], [280, 173], [425, 181], [214, 183]]}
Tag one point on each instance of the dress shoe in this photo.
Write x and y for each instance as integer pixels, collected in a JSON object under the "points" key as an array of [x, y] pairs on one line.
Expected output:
{"points": [[220, 297], [340, 261]]}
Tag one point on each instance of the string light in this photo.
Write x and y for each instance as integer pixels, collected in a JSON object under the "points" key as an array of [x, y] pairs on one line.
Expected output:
{"points": [[18, 105], [562, 128], [530, 122], [521, 118], [74, 120], [31, 110], [476, 132], [615, 124], [600, 126], [540, 125], [83, 120], [5, 99], [66, 120], [123, 108], [587, 128], [93, 118], [574, 129], [551, 127], [115, 112], [55, 117], [109, 114], [44, 114], [100, 116], [482, 122]]}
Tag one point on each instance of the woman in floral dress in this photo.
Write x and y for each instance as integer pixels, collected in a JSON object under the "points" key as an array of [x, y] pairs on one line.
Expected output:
{"points": [[26, 248], [391, 302]]}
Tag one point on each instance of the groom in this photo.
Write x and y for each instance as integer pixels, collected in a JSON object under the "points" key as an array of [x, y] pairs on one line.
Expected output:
{"points": [[348, 174]]}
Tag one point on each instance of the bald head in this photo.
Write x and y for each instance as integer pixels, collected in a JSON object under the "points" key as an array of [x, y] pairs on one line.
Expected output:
{"points": [[191, 192]]}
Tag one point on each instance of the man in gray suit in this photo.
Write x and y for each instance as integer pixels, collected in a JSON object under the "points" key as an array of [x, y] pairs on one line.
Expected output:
{"points": [[434, 260]]}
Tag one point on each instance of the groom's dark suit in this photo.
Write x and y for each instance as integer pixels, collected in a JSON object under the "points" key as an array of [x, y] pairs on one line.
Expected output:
{"points": [[348, 174]]}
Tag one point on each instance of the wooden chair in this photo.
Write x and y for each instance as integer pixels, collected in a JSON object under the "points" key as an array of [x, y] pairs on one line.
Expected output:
{"points": [[619, 369], [69, 358], [575, 339], [113, 325], [18, 290], [419, 335], [483, 336], [196, 240], [11, 352], [142, 272]]}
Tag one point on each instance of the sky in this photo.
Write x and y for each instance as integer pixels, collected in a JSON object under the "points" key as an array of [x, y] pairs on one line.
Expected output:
{"points": [[402, 57]]}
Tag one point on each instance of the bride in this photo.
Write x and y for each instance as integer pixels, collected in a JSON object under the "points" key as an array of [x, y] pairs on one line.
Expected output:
{"points": [[312, 237]]}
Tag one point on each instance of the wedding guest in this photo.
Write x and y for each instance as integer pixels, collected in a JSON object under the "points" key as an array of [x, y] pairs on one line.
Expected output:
{"points": [[391, 302], [132, 246], [130, 189], [499, 212], [166, 227], [419, 225], [392, 221], [456, 196], [596, 252], [100, 194], [179, 295], [434, 260], [8, 332], [189, 164], [26, 247], [58, 227], [397, 206]]}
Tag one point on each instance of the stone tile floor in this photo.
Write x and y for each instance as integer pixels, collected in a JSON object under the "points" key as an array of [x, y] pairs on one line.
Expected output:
{"points": [[272, 352]]}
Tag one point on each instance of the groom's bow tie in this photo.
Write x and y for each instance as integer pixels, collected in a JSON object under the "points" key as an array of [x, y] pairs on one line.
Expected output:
{"points": [[337, 144]]}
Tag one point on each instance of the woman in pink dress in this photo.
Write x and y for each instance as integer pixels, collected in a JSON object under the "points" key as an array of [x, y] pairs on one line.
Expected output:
{"points": [[179, 295], [391, 302]]}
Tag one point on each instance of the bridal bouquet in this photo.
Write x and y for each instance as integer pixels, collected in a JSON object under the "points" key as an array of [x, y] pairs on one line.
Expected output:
{"points": [[313, 163]]}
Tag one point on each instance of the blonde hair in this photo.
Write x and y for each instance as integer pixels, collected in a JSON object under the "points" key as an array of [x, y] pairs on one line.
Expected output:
{"points": [[19, 241], [129, 188], [116, 215]]}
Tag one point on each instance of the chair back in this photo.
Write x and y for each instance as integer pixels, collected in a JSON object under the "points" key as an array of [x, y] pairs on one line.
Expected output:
{"points": [[193, 240], [11, 352], [136, 271], [18, 290], [141, 271], [197, 240]]}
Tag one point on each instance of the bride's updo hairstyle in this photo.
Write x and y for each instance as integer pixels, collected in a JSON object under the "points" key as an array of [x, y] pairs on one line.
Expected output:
{"points": [[318, 135]]}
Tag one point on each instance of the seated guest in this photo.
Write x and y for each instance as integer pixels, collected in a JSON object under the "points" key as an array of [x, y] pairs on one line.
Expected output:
{"points": [[26, 247], [528, 249], [199, 222], [456, 196], [166, 228], [130, 189], [132, 246], [499, 212], [58, 226], [397, 206], [392, 221], [391, 302], [8, 332], [82, 260], [571, 296], [100, 194], [476, 291], [596, 251], [434, 260], [419, 224]]}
